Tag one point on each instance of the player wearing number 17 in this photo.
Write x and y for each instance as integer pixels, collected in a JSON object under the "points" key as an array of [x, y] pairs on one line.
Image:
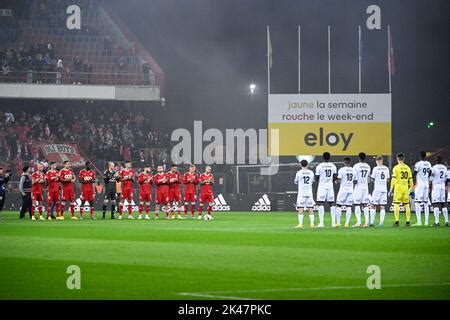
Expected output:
{"points": [[402, 185]]}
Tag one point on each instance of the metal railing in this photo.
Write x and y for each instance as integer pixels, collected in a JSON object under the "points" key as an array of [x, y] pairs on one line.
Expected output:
{"points": [[118, 77]]}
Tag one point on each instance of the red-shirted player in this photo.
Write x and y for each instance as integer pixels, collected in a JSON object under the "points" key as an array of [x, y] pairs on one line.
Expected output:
{"points": [[67, 177], [127, 178], [190, 180], [206, 180], [161, 180], [37, 189], [52, 178], [87, 180], [145, 180], [174, 190]]}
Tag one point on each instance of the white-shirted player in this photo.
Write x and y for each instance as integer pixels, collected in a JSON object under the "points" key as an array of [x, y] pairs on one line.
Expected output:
{"points": [[438, 180], [344, 198], [304, 179], [422, 172], [326, 174], [380, 177], [361, 191]]}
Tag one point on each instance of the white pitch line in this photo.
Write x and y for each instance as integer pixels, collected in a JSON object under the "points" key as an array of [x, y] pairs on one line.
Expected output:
{"points": [[213, 294], [193, 294]]}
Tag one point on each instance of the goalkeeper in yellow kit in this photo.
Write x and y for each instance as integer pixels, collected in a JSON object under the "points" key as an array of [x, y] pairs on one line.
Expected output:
{"points": [[402, 185]]}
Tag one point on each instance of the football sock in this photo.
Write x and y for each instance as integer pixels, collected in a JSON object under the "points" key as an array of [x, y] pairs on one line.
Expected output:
{"points": [[72, 210], [408, 212], [445, 214], [311, 219], [147, 209], [104, 209], [426, 209], [358, 214], [130, 209], [113, 209], [63, 208], [338, 215], [366, 215], [418, 212], [436, 214], [373, 212], [382, 215], [120, 209], [348, 215], [33, 208], [333, 215], [40, 209], [209, 209], [300, 218], [193, 210], [321, 213], [200, 210], [141, 207], [91, 214], [396, 211], [185, 209]]}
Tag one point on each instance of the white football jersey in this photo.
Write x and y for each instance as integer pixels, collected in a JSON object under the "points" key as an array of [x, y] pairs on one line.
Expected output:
{"points": [[423, 170], [362, 174], [304, 179], [325, 171], [346, 175], [380, 175], [439, 176]]}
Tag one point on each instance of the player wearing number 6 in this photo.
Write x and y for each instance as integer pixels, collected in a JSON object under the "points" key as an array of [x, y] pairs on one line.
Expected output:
{"points": [[402, 185]]}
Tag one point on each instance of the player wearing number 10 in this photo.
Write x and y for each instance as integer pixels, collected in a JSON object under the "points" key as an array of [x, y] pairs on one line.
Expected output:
{"points": [[402, 185]]}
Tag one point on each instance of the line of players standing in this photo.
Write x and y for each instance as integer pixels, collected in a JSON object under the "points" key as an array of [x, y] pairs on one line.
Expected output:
{"points": [[168, 191], [354, 190]]}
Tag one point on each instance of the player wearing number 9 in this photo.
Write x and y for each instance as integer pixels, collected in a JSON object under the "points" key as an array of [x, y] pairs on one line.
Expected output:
{"points": [[402, 185]]}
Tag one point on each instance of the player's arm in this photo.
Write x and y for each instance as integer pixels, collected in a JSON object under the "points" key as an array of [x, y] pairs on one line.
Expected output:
{"points": [[393, 180], [296, 179], [410, 180]]}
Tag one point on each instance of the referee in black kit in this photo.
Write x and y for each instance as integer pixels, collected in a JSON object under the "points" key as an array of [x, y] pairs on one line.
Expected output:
{"points": [[25, 191], [110, 177]]}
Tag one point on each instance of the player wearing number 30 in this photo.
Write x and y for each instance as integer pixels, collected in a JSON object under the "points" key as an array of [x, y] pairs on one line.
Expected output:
{"points": [[439, 179], [361, 192], [380, 176], [422, 171], [304, 179], [402, 185], [326, 174]]}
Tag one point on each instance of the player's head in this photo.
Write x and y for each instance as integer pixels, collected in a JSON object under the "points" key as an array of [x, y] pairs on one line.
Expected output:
{"points": [[66, 164], [40, 167], [379, 160], [326, 156], [400, 157], [111, 165], [347, 161], [26, 169], [439, 160], [191, 168], [362, 156], [207, 169], [128, 164], [173, 167], [304, 163], [147, 168], [160, 168], [87, 165], [53, 165]]}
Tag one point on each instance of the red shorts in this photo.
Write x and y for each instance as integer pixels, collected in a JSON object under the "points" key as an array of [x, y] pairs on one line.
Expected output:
{"points": [[53, 196], [145, 196], [87, 196], [190, 197], [175, 195], [207, 196], [68, 195], [127, 194], [37, 196], [162, 197]]}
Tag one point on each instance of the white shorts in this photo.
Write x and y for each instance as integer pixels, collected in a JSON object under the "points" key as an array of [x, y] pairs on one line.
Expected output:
{"points": [[360, 195], [438, 196], [344, 198], [305, 202], [422, 193], [325, 194], [379, 198]]}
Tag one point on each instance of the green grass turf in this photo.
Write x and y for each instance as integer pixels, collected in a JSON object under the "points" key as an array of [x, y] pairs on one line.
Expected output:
{"points": [[240, 255]]}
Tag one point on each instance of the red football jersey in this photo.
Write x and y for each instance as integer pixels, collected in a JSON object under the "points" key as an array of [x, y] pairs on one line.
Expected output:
{"points": [[161, 181], [87, 179], [206, 182], [52, 178], [190, 181], [66, 174], [174, 179], [38, 186], [127, 176], [145, 182]]}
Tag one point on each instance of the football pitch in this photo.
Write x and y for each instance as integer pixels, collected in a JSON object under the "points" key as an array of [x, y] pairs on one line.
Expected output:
{"points": [[236, 256]]}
